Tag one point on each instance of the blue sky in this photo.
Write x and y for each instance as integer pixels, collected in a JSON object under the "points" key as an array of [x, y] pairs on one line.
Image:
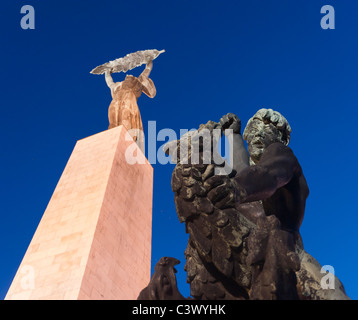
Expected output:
{"points": [[221, 56]]}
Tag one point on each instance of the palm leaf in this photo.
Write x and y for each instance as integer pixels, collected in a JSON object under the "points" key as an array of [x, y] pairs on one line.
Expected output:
{"points": [[128, 62]]}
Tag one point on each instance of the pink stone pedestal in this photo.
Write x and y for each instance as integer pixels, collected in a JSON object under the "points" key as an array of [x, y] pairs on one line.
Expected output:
{"points": [[94, 239]]}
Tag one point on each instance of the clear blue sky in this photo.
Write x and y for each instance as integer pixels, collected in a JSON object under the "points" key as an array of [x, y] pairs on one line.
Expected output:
{"points": [[221, 56]]}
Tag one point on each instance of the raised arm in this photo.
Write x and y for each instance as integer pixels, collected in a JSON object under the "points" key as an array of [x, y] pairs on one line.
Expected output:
{"points": [[240, 155], [148, 69], [274, 170], [147, 83], [110, 83], [109, 80]]}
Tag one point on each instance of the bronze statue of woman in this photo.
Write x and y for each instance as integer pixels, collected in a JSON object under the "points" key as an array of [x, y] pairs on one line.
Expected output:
{"points": [[123, 109]]}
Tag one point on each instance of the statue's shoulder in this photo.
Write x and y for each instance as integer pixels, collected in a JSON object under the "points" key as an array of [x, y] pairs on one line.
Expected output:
{"points": [[130, 80], [278, 148], [280, 152], [131, 83]]}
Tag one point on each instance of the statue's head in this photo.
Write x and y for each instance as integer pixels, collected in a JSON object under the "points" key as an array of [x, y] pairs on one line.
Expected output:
{"points": [[167, 263], [264, 128]]}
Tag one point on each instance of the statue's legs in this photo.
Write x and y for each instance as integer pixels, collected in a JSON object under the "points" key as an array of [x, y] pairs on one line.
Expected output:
{"points": [[119, 114], [113, 115], [124, 118]]}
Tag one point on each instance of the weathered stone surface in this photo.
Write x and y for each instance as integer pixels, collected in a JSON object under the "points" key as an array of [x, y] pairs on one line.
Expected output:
{"points": [[216, 249], [273, 261], [243, 224], [309, 280], [163, 285]]}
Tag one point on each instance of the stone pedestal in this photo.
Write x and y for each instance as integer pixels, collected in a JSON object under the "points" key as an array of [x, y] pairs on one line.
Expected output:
{"points": [[94, 239]]}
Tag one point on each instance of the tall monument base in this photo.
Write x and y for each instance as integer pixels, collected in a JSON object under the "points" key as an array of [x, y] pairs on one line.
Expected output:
{"points": [[94, 239]]}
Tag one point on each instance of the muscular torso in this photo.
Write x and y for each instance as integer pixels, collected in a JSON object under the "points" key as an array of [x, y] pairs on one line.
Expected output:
{"points": [[288, 202], [278, 181]]}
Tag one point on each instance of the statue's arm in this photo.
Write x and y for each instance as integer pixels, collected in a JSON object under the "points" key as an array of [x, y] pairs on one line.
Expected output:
{"points": [[109, 80], [110, 83], [240, 156], [147, 83], [274, 170], [148, 68]]}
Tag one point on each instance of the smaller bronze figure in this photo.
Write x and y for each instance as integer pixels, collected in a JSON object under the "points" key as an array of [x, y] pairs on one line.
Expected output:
{"points": [[163, 285]]}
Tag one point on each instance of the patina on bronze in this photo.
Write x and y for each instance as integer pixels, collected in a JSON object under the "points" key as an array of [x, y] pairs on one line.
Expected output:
{"points": [[244, 240]]}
